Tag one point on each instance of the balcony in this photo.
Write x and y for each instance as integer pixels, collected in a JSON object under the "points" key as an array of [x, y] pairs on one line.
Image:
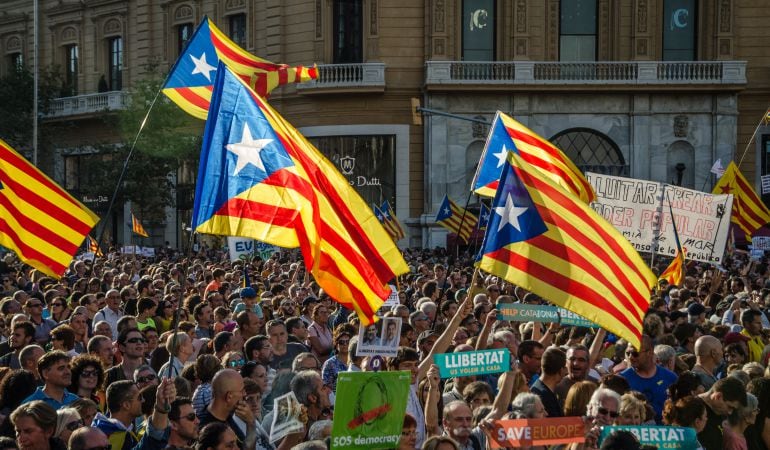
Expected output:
{"points": [[363, 77], [87, 104], [575, 75]]}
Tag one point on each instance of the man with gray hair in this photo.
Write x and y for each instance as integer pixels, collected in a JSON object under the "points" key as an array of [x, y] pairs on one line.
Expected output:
{"points": [[111, 312], [458, 424], [603, 407], [180, 346], [85, 438], [28, 357], [708, 356], [320, 430], [665, 356]]}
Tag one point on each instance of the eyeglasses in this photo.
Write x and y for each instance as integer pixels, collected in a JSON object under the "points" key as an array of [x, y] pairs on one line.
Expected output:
{"points": [[343, 342], [89, 373], [252, 399], [72, 426], [57, 304], [191, 417], [636, 354], [606, 412], [146, 378], [137, 340], [236, 363]]}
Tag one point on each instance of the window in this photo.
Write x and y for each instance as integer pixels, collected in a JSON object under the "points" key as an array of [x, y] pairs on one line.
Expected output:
{"points": [[591, 151], [478, 30], [577, 30], [184, 33], [348, 31], [116, 63], [238, 29], [679, 30], [368, 163], [15, 62], [71, 70]]}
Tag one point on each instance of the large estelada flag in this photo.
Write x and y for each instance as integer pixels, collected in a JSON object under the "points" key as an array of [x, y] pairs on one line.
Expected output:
{"points": [[399, 232], [136, 226], [546, 240], [191, 79], [749, 212], [42, 223], [508, 135], [260, 178], [674, 273], [456, 219]]}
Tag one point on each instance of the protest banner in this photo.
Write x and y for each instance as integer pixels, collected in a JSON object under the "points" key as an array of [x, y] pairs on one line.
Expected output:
{"points": [[530, 432], [380, 338], [465, 364], [369, 409], [765, 184], [264, 250], [635, 207], [286, 412], [677, 438], [567, 317], [760, 242], [390, 302], [240, 248], [516, 312]]}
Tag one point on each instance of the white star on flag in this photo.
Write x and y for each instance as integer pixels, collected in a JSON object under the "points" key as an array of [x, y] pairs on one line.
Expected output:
{"points": [[202, 67], [446, 211], [501, 156], [509, 214], [248, 151]]}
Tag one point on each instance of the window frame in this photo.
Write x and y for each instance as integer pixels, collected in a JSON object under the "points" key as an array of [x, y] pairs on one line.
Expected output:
{"points": [[115, 77], [595, 34]]}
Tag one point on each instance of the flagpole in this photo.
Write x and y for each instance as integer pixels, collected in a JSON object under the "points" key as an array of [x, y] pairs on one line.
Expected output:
{"points": [[462, 219], [753, 135], [656, 229], [716, 233], [125, 167], [35, 26]]}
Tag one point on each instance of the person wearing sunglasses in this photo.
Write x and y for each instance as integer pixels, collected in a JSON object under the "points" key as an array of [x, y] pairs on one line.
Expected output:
{"points": [[184, 424], [647, 377], [67, 421], [34, 310], [144, 376], [131, 343], [87, 377]]}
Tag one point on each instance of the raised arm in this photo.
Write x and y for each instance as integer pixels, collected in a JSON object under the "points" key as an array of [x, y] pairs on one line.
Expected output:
{"points": [[442, 343]]}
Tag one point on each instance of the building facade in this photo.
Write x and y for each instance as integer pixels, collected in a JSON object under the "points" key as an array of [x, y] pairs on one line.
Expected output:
{"points": [[653, 89]]}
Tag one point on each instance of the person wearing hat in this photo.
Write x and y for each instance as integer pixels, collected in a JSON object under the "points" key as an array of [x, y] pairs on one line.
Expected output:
{"points": [[249, 302], [696, 313]]}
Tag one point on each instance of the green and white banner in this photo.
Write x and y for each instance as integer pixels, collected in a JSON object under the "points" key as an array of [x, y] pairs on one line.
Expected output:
{"points": [[369, 409], [679, 438], [515, 312], [465, 364]]}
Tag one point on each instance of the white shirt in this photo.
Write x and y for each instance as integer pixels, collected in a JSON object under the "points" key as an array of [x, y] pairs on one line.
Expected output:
{"points": [[111, 317]]}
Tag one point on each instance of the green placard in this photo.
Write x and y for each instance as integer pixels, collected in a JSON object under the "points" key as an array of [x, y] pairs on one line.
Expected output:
{"points": [[369, 409], [679, 438], [515, 312], [465, 364], [572, 319]]}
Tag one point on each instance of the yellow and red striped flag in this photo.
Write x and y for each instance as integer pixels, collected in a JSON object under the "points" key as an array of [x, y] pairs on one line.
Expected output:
{"points": [[456, 219], [93, 246], [674, 273], [136, 226], [749, 212], [392, 222], [546, 240], [508, 135], [39, 221], [191, 80], [260, 178]]}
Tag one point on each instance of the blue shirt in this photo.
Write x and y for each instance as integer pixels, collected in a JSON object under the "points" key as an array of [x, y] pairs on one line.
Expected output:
{"points": [[68, 398], [654, 388]]}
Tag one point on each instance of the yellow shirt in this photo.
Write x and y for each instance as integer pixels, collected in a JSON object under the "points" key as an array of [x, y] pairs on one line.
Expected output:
{"points": [[755, 345]]}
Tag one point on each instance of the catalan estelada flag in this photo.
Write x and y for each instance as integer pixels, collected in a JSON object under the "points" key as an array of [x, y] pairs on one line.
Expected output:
{"points": [[39, 221], [508, 135], [387, 225], [136, 226], [399, 232], [260, 178], [190, 81], [545, 239], [456, 219], [749, 212], [484, 214], [93, 246]]}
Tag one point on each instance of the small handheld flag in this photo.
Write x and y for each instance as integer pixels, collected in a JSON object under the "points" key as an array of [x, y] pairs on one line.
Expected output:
{"points": [[399, 232], [749, 212], [456, 219], [136, 226]]}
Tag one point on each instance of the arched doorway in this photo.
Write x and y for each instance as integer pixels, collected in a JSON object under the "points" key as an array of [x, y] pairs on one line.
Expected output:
{"points": [[591, 151]]}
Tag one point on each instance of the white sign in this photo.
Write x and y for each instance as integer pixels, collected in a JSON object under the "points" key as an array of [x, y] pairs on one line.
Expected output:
{"points": [[240, 248], [760, 243], [638, 207], [765, 184], [380, 338]]}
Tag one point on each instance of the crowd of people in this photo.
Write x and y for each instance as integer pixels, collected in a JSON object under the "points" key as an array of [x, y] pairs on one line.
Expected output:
{"points": [[128, 353]]}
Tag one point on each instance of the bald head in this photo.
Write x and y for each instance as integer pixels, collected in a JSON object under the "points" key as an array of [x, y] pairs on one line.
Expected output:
{"points": [[87, 437], [225, 381], [706, 344]]}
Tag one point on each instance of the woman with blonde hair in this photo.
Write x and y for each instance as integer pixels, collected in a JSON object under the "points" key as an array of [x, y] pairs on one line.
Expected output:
{"points": [[632, 410], [67, 421], [579, 394]]}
